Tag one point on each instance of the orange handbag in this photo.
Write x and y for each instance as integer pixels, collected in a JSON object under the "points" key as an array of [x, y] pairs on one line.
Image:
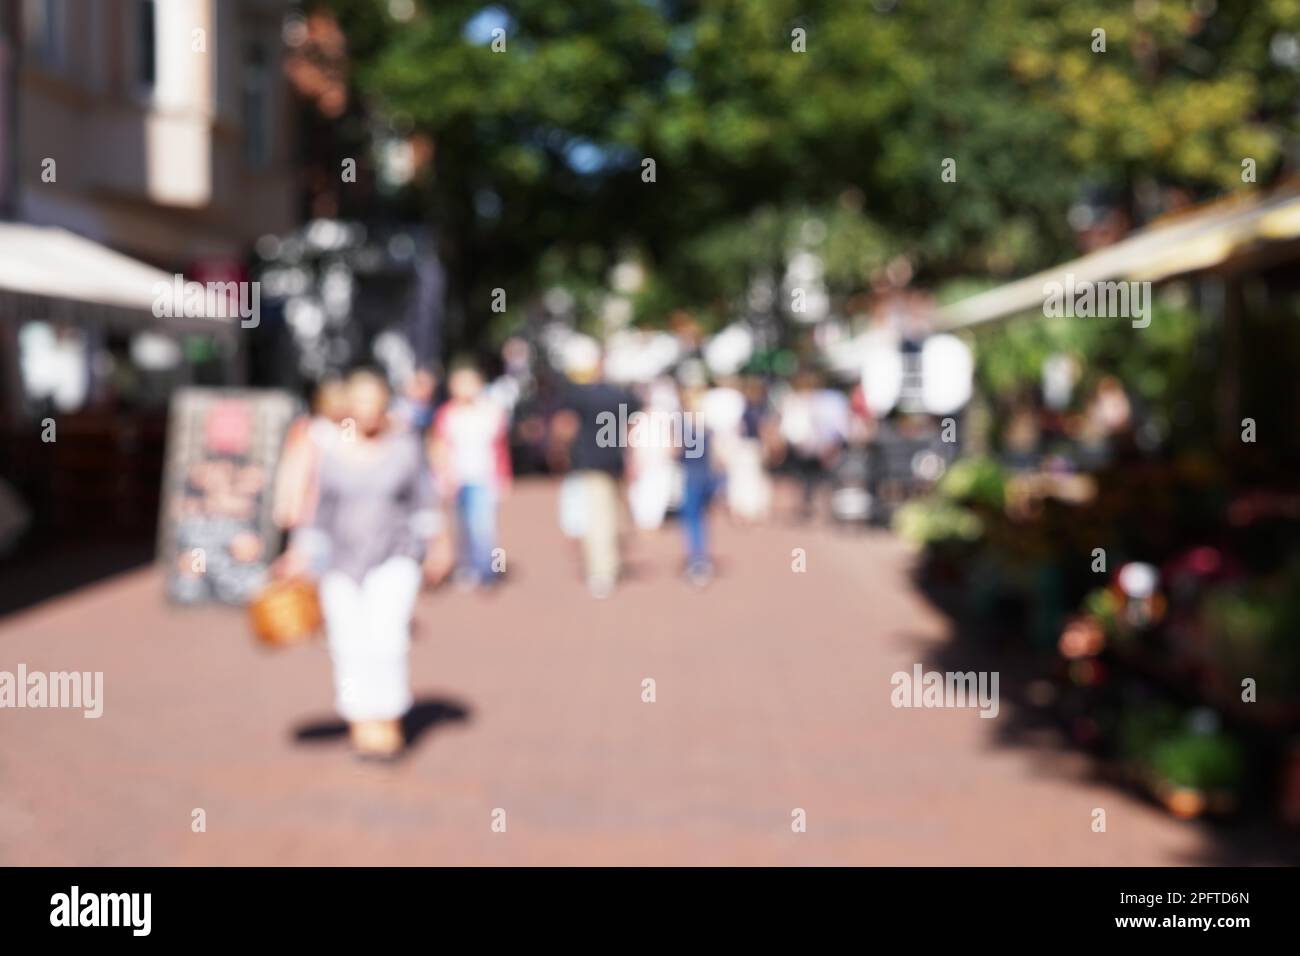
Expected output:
{"points": [[285, 613]]}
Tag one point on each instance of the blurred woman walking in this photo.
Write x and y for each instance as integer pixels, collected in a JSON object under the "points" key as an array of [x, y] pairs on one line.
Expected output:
{"points": [[365, 540], [296, 479]]}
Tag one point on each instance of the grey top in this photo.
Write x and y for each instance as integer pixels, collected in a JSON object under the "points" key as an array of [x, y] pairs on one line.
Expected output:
{"points": [[374, 504]]}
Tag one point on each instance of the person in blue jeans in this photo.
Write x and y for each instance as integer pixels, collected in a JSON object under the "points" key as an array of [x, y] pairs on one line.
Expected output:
{"points": [[471, 460], [476, 514], [700, 484]]}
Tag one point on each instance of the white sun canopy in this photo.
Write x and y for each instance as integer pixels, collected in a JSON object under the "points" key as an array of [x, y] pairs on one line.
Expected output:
{"points": [[1199, 239], [64, 267]]}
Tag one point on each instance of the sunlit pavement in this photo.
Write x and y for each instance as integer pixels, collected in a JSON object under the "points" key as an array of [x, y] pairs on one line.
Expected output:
{"points": [[772, 694]]}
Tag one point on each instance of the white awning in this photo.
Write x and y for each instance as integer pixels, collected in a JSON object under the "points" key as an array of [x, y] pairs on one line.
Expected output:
{"points": [[1200, 239], [63, 267]]}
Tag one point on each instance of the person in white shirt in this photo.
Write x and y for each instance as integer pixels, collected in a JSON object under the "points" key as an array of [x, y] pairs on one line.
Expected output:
{"points": [[471, 462]]}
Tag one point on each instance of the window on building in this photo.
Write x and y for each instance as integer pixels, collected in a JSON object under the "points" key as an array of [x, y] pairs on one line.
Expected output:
{"points": [[44, 25], [94, 27], [225, 61], [54, 366], [146, 43], [256, 75]]}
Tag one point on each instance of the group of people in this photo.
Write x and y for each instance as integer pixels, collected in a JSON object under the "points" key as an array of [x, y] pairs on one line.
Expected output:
{"points": [[380, 494]]}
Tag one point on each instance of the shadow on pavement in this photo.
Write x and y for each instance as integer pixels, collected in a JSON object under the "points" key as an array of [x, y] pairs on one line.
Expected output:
{"points": [[62, 567], [426, 714], [996, 643]]}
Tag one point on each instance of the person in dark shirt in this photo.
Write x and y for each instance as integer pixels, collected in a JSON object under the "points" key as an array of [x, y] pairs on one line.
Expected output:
{"points": [[589, 436]]}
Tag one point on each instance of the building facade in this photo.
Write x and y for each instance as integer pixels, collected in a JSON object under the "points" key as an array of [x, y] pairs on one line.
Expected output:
{"points": [[139, 140], [8, 112], [160, 128]]}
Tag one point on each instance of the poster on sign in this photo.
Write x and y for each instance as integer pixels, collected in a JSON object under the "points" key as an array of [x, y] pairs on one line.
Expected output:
{"points": [[216, 538]]}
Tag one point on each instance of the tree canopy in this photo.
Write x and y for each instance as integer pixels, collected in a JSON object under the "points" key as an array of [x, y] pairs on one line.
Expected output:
{"points": [[760, 113]]}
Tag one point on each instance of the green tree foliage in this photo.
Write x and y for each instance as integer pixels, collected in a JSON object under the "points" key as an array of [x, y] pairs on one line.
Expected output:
{"points": [[1162, 366], [539, 149]]}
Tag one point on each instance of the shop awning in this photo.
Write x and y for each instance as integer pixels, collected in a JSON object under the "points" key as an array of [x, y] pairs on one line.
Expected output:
{"points": [[64, 270], [1208, 237]]}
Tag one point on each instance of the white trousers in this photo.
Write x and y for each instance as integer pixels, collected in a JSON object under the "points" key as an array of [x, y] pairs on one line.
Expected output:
{"points": [[649, 494], [369, 630], [749, 490]]}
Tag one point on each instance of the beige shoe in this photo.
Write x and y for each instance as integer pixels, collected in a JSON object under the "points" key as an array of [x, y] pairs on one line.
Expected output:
{"points": [[377, 738]]}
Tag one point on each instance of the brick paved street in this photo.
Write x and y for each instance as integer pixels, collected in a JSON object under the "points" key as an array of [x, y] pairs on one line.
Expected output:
{"points": [[772, 694]]}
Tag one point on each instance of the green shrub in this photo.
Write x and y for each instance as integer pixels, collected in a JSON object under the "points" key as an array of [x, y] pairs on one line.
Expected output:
{"points": [[931, 521], [1203, 761], [974, 480]]}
